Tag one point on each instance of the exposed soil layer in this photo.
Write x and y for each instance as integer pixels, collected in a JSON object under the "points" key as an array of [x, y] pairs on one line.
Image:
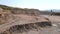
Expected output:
{"points": [[26, 27]]}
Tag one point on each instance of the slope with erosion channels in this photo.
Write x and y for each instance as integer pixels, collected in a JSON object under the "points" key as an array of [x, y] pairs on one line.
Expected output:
{"points": [[10, 17]]}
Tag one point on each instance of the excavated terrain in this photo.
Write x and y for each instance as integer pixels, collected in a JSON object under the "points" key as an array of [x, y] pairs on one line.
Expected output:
{"points": [[27, 22]]}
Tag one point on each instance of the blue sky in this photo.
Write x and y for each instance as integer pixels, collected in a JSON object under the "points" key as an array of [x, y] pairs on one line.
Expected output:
{"points": [[38, 4]]}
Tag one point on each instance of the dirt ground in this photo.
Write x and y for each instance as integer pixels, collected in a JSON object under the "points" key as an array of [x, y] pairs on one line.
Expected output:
{"points": [[28, 19]]}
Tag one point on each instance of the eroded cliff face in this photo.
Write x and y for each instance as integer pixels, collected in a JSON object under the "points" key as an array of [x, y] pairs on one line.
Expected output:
{"points": [[6, 15], [34, 12], [2, 16], [21, 20]]}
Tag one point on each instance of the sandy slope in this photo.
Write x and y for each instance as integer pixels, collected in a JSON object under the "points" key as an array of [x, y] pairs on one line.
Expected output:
{"points": [[55, 19], [21, 19], [25, 19]]}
